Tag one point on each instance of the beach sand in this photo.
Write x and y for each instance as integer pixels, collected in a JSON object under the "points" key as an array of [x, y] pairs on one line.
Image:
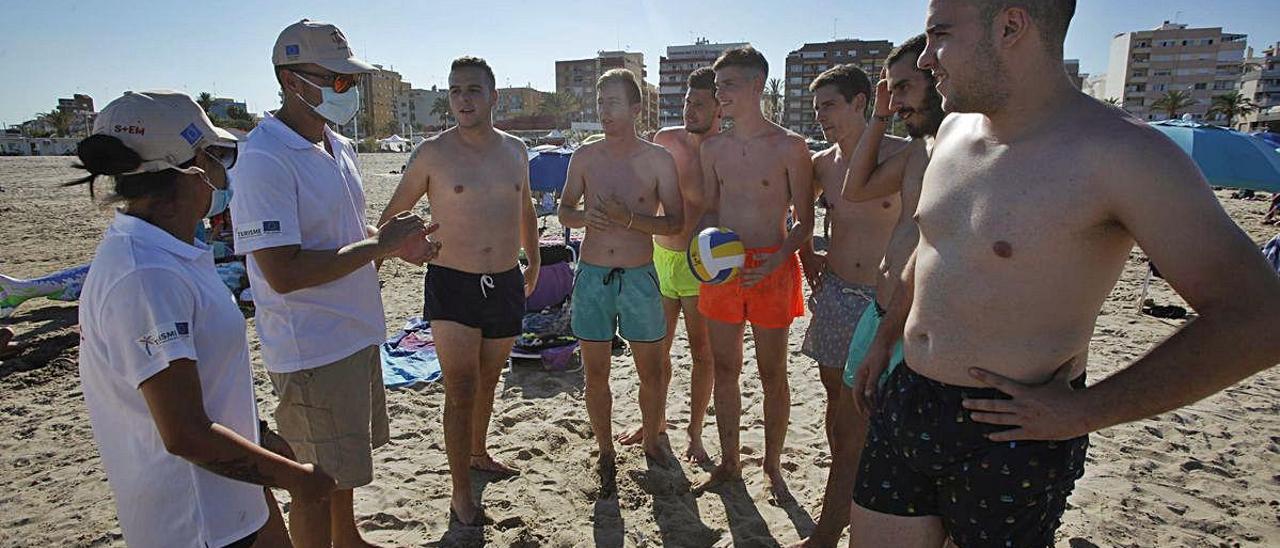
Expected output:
{"points": [[1205, 475]]}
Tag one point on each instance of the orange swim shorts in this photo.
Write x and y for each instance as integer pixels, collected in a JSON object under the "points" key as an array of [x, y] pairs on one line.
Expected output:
{"points": [[774, 302]]}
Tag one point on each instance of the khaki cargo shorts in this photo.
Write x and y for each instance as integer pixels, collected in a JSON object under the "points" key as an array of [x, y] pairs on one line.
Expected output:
{"points": [[335, 415]]}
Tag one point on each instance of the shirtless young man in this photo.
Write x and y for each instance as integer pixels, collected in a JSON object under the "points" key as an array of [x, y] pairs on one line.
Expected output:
{"points": [[623, 180], [676, 282], [909, 92], [476, 180], [754, 174], [1031, 203], [844, 278]]}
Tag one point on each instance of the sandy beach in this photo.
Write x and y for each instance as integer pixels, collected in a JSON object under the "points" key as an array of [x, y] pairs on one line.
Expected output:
{"points": [[1205, 475]]}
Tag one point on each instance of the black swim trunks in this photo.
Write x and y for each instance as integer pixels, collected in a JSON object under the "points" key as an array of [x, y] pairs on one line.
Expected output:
{"points": [[926, 457], [492, 303]]}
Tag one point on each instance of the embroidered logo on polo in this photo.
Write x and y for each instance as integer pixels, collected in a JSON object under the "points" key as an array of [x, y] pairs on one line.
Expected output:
{"points": [[254, 231], [192, 134], [164, 335]]}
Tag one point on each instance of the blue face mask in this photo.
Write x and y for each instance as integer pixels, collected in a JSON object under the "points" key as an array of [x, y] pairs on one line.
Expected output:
{"points": [[219, 198]]}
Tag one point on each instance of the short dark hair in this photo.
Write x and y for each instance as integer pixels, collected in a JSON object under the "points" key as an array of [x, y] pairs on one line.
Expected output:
{"points": [[467, 61], [745, 57], [624, 77], [848, 79], [909, 50], [1051, 16], [703, 78]]}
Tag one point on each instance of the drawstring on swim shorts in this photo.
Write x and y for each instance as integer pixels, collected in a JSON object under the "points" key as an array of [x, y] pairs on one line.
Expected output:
{"points": [[486, 283], [618, 272]]}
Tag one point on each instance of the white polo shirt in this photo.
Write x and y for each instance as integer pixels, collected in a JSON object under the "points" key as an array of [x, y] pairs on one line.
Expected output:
{"points": [[290, 191], [150, 299]]}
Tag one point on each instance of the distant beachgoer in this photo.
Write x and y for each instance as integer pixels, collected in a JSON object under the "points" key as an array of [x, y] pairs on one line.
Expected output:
{"points": [[754, 174], [476, 179], [631, 192], [300, 218], [1031, 203], [675, 280], [164, 360]]}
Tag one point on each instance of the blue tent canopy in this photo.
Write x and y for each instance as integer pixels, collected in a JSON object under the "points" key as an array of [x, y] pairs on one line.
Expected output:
{"points": [[548, 169], [1228, 158]]}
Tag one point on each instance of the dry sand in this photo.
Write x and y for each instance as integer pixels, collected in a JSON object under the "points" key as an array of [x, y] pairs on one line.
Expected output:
{"points": [[1206, 475]]}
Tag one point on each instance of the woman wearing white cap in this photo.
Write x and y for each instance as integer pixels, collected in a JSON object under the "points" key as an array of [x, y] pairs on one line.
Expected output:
{"points": [[164, 360]]}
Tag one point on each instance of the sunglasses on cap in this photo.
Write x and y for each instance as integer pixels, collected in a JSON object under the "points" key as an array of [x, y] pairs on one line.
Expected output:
{"points": [[223, 153], [339, 82]]}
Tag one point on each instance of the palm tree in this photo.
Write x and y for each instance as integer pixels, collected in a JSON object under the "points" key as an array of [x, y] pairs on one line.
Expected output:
{"points": [[440, 109], [205, 100], [1174, 102], [1232, 104], [773, 100], [60, 120], [1113, 101], [559, 106]]}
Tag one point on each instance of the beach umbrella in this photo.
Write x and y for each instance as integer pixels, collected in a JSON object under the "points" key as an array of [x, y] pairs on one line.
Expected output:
{"points": [[1228, 158], [548, 169]]}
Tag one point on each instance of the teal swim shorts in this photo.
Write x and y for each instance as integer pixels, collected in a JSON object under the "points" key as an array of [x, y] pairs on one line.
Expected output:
{"points": [[863, 334], [625, 301]]}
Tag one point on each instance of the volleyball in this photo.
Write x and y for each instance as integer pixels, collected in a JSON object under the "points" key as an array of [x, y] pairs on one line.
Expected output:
{"points": [[715, 255]]}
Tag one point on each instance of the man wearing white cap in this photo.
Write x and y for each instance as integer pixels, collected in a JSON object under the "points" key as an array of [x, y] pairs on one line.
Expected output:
{"points": [[164, 361], [300, 217]]}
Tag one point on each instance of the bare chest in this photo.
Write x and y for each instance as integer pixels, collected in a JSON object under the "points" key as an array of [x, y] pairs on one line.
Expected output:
{"points": [[467, 187], [627, 180], [1003, 205], [755, 178]]}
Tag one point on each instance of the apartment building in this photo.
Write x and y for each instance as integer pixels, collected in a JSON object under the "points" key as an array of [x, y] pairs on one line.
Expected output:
{"points": [[806, 63], [1145, 65], [1261, 84], [673, 75]]}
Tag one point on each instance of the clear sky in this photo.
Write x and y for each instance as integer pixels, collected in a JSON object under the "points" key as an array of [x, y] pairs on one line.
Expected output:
{"points": [[53, 48]]}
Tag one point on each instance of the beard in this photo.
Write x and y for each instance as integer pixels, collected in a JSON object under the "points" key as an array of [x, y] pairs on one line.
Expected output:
{"points": [[928, 117], [982, 91]]}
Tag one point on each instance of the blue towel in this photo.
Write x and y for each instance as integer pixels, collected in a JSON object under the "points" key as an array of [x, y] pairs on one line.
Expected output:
{"points": [[406, 366]]}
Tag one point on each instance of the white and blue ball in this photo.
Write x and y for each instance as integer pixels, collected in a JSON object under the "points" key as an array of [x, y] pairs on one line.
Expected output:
{"points": [[716, 255]]}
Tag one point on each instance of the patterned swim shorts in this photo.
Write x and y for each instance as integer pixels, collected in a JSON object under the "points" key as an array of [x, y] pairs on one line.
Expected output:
{"points": [[926, 457]]}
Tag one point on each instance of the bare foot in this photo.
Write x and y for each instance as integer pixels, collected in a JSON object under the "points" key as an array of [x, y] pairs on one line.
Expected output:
{"points": [[722, 474], [696, 453], [633, 437], [778, 492], [471, 516], [607, 469], [485, 463], [658, 452], [6, 335]]}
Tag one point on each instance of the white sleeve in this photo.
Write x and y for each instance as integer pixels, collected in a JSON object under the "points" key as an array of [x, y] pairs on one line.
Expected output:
{"points": [[264, 206], [148, 319]]}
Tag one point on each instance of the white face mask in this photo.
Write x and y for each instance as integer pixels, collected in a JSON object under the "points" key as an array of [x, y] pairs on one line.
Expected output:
{"points": [[335, 107]]}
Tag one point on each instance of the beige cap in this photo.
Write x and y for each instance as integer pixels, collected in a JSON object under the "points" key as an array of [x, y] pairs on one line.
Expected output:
{"points": [[317, 42], [164, 127]]}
